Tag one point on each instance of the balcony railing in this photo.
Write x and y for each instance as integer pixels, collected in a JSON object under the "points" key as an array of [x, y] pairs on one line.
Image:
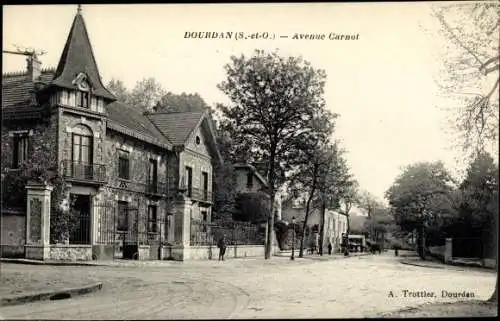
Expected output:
{"points": [[84, 171], [156, 188], [201, 195]]}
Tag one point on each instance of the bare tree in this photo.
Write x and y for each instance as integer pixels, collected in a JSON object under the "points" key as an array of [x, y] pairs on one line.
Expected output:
{"points": [[471, 63]]}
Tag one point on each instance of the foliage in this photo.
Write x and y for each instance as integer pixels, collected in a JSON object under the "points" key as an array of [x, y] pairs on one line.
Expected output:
{"points": [[146, 94], [149, 95], [117, 88], [369, 203], [379, 223], [422, 194], [252, 207], [275, 103], [171, 102], [479, 196], [471, 75], [63, 219], [224, 191]]}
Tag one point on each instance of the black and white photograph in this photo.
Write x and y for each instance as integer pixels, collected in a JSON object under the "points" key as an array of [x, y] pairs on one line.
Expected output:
{"points": [[249, 160]]}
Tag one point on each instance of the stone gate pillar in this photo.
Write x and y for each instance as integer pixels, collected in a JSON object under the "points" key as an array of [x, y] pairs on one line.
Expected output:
{"points": [[448, 251], [38, 221], [182, 229]]}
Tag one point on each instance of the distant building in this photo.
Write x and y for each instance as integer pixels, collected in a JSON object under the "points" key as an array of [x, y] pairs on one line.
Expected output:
{"points": [[249, 180], [335, 222]]}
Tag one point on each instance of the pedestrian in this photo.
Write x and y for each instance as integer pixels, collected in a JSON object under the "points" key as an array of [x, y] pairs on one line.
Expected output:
{"points": [[222, 247], [329, 248]]}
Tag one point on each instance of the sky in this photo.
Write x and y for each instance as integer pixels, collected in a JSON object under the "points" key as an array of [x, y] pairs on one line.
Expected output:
{"points": [[382, 84]]}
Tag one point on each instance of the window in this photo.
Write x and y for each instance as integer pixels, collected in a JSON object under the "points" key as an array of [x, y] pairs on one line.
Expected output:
{"points": [[249, 180], [152, 219], [153, 172], [205, 220], [122, 216], [123, 164], [189, 177], [21, 149], [82, 99], [204, 176], [82, 149]]}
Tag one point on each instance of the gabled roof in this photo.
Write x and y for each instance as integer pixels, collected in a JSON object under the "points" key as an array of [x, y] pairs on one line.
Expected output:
{"points": [[253, 170], [176, 126], [78, 57], [131, 121], [17, 88], [179, 126]]}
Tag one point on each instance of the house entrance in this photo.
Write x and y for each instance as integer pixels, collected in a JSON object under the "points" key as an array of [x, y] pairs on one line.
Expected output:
{"points": [[80, 233]]}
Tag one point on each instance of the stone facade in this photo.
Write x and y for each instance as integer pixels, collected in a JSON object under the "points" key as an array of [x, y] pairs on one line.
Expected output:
{"points": [[70, 252]]}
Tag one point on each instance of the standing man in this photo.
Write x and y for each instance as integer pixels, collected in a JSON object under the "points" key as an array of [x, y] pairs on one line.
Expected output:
{"points": [[222, 247]]}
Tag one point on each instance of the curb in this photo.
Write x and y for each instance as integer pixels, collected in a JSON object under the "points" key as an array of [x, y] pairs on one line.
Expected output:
{"points": [[454, 266], [60, 263], [50, 295], [423, 265]]}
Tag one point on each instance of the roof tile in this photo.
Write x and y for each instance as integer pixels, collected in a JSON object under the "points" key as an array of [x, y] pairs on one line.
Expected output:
{"points": [[176, 126]]}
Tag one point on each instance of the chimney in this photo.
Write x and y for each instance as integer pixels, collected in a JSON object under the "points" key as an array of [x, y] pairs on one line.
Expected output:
{"points": [[34, 67]]}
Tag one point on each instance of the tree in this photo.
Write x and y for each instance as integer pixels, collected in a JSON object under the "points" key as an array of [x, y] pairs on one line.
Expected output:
{"points": [[471, 62], [479, 200], [117, 88], [307, 178], [171, 102], [472, 73], [275, 100], [146, 94], [224, 192], [368, 202], [349, 198], [371, 205], [252, 207], [421, 195]]}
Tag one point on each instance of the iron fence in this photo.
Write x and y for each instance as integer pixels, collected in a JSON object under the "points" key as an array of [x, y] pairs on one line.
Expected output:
{"points": [[468, 247], [80, 233], [236, 233], [84, 171]]}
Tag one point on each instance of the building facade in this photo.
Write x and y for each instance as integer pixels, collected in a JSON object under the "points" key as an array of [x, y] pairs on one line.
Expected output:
{"points": [[135, 180], [335, 223]]}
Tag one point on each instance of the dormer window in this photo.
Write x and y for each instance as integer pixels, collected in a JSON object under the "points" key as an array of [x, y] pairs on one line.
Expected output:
{"points": [[83, 93]]}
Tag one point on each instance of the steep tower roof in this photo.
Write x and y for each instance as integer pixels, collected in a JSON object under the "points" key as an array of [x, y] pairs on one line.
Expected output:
{"points": [[78, 57]]}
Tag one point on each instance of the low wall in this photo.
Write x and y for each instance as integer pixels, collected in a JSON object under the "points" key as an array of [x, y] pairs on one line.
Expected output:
{"points": [[437, 251], [64, 252], [13, 233], [211, 252], [103, 251], [11, 251]]}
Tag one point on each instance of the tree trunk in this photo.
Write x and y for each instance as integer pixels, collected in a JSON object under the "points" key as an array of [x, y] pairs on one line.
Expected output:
{"points": [[322, 227], [308, 205], [270, 221]]}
